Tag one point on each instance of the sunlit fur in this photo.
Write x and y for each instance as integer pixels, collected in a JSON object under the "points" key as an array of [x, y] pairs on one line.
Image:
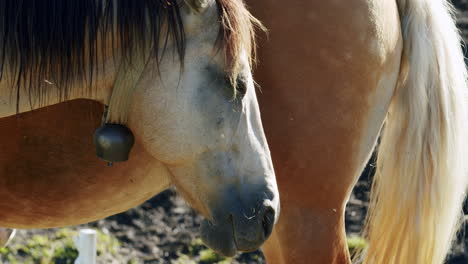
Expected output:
{"points": [[421, 176], [61, 42], [237, 35]]}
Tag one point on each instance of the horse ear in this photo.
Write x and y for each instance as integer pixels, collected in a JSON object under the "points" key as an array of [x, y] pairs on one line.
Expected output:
{"points": [[198, 5]]}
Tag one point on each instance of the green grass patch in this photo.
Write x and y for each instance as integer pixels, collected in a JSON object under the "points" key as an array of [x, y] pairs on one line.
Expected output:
{"points": [[198, 253], [208, 256], [356, 244], [56, 249]]}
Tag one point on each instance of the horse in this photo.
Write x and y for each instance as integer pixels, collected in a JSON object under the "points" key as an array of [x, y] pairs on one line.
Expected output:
{"points": [[335, 74], [176, 74]]}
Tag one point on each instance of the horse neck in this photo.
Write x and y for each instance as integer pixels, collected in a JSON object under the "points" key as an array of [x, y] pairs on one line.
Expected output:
{"points": [[100, 91]]}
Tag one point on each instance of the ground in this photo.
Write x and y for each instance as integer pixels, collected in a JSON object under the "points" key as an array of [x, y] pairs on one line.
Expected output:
{"points": [[165, 229]]}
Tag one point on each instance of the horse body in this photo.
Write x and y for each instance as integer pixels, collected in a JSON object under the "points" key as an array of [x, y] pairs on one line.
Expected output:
{"points": [[191, 128], [323, 126], [51, 177], [330, 72]]}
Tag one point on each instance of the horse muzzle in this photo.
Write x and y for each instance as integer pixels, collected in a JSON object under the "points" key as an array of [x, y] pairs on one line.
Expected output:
{"points": [[239, 230]]}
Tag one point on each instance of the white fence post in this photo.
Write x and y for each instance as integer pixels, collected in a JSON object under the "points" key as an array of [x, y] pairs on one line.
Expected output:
{"points": [[86, 244]]}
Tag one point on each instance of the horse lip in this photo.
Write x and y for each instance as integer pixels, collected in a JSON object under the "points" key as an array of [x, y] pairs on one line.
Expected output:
{"points": [[230, 220], [251, 244], [239, 243], [234, 237], [247, 249], [216, 236]]}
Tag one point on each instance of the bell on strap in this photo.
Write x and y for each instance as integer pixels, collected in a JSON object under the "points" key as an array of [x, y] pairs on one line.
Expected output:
{"points": [[114, 140]]}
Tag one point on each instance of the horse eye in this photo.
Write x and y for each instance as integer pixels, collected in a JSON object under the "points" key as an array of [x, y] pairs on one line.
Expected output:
{"points": [[241, 87]]}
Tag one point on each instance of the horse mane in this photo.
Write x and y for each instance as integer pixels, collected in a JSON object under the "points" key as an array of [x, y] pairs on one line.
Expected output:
{"points": [[238, 28], [56, 42]]}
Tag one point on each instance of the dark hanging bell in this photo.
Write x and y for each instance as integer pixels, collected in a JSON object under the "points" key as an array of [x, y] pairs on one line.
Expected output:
{"points": [[113, 142]]}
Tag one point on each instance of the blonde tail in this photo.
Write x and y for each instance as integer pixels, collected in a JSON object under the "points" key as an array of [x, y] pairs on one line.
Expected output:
{"points": [[421, 176]]}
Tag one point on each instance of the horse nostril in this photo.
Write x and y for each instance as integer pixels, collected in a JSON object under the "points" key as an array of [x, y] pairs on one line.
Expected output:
{"points": [[268, 221]]}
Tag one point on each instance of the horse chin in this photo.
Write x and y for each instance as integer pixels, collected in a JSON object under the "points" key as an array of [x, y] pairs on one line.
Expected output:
{"points": [[219, 237]]}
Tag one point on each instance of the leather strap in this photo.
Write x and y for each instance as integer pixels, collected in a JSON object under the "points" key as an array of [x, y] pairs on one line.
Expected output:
{"points": [[128, 77]]}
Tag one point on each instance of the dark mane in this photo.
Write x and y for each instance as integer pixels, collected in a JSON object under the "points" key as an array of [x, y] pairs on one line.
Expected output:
{"points": [[54, 41]]}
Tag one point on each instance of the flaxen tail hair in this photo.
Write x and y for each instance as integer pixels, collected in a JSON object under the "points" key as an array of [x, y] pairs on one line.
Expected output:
{"points": [[421, 177]]}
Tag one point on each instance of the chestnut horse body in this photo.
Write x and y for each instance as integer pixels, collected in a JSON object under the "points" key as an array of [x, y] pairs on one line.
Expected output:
{"points": [[332, 72]]}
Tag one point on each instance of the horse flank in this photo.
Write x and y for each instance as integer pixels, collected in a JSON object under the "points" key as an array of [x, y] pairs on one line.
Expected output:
{"points": [[48, 45]]}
